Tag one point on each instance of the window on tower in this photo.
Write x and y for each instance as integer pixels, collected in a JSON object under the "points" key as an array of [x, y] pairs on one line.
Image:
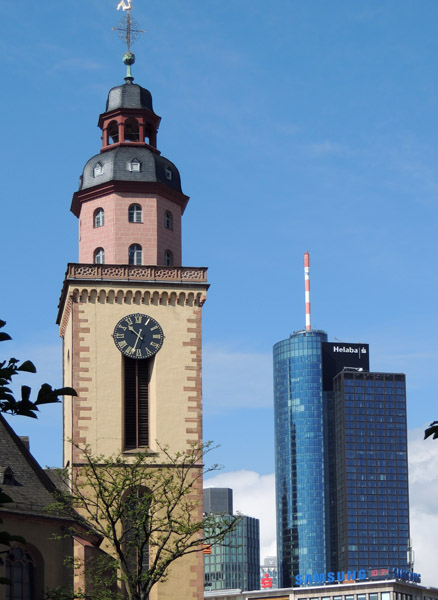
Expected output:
{"points": [[168, 258], [136, 390], [135, 213], [99, 217], [113, 132], [168, 220], [135, 254], [131, 130], [99, 256]]}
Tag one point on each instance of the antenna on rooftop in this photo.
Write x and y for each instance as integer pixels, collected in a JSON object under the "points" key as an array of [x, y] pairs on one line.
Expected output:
{"points": [[307, 288]]}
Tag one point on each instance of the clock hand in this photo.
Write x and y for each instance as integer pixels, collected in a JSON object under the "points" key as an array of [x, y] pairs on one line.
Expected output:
{"points": [[139, 337]]}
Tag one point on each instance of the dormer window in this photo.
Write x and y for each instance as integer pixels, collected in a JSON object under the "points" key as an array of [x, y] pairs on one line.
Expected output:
{"points": [[99, 217], [168, 173], [98, 169], [8, 477], [134, 165]]}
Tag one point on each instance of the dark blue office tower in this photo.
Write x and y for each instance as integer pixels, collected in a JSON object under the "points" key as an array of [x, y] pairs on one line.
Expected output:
{"points": [[341, 460]]}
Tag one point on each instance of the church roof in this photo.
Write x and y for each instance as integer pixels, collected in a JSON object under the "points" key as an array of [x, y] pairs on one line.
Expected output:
{"points": [[22, 478], [117, 165], [129, 95]]}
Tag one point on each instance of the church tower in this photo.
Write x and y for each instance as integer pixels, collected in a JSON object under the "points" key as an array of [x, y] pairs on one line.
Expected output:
{"points": [[130, 313]]}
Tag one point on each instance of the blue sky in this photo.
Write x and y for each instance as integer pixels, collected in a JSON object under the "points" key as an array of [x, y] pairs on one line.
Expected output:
{"points": [[296, 126]]}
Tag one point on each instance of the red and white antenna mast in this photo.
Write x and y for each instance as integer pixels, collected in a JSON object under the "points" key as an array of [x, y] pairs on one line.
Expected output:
{"points": [[307, 288]]}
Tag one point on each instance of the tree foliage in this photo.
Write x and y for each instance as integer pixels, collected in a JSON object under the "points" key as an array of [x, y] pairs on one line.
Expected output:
{"points": [[432, 430], [148, 512], [24, 406]]}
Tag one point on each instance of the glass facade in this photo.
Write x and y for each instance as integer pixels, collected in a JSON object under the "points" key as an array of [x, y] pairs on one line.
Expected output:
{"points": [[235, 564], [371, 470], [301, 457]]}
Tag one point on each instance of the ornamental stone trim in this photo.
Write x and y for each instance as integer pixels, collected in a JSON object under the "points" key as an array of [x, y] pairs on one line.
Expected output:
{"points": [[136, 272]]}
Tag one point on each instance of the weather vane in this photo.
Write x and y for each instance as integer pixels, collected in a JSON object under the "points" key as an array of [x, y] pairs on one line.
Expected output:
{"points": [[128, 32]]}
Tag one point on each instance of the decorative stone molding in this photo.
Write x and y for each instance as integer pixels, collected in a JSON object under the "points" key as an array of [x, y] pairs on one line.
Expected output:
{"points": [[137, 273]]}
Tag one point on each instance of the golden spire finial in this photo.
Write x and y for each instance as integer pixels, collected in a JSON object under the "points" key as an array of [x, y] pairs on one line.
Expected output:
{"points": [[128, 32]]}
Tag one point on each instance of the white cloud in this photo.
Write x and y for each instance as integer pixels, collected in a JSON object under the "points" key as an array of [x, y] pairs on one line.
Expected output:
{"points": [[236, 379], [254, 495]]}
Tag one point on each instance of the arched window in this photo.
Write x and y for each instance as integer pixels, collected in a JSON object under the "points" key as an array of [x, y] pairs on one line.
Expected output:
{"points": [[98, 169], [168, 220], [99, 256], [113, 132], [99, 217], [135, 254], [134, 165], [168, 258], [20, 571], [135, 213], [131, 130]]}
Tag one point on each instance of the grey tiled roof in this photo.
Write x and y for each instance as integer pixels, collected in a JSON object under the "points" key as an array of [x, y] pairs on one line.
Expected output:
{"points": [[129, 95], [115, 167], [31, 490]]}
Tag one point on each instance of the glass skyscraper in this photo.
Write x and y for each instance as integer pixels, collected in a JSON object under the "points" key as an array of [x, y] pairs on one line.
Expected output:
{"points": [[372, 470], [235, 563], [301, 456], [341, 459]]}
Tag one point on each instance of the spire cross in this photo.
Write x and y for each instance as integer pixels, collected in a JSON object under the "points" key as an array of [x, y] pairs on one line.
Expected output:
{"points": [[129, 31]]}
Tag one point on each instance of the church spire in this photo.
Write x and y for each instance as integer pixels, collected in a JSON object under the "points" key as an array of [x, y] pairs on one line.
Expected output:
{"points": [[129, 31]]}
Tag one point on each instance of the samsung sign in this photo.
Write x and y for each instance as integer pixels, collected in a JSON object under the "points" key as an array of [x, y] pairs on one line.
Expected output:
{"points": [[337, 355], [353, 576]]}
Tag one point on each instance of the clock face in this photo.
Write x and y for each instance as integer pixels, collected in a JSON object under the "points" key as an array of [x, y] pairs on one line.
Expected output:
{"points": [[138, 336]]}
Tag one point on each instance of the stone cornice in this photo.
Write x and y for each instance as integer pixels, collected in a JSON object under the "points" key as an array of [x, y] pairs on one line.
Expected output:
{"points": [[143, 276]]}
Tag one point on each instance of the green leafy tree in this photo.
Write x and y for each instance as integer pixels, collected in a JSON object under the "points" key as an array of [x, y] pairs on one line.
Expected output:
{"points": [[149, 513], [432, 430], [23, 406]]}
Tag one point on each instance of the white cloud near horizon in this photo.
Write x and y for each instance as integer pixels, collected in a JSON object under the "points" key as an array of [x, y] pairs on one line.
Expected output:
{"points": [[254, 495]]}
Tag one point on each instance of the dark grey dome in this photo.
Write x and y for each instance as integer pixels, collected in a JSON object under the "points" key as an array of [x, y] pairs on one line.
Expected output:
{"points": [[129, 95], [124, 163]]}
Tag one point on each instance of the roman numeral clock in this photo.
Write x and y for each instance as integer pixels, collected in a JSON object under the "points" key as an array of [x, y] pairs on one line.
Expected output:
{"points": [[138, 336]]}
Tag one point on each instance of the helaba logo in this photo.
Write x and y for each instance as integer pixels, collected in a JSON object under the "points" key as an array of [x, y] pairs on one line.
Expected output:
{"points": [[350, 350]]}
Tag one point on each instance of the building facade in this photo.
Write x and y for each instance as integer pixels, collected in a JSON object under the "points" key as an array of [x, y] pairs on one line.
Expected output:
{"points": [[365, 589], [340, 504], [301, 456], [235, 563], [130, 313]]}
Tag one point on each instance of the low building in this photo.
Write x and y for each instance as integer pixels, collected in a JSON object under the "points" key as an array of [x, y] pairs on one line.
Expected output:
{"points": [[365, 589]]}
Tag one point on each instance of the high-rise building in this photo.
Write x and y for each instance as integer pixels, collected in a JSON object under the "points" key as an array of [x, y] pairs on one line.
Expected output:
{"points": [[235, 563], [341, 459]]}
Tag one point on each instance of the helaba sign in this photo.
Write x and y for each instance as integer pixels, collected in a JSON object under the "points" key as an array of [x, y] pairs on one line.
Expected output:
{"points": [[338, 355], [356, 575]]}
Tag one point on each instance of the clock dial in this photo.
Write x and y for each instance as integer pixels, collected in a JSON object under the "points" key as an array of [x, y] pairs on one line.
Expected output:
{"points": [[138, 336]]}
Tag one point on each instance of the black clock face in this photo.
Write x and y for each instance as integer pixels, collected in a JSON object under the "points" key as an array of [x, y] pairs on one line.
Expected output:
{"points": [[138, 336]]}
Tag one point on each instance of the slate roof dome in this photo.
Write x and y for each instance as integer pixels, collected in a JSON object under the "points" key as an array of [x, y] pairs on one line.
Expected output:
{"points": [[129, 95], [124, 163]]}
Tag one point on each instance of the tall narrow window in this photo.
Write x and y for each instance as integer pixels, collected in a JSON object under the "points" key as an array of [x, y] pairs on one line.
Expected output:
{"points": [[136, 530], [168, 258], [168, 220], [99, 217], [131, 130], [20, 571], [135, 254], [135, 213], [99, 256], [113, 132], [136, 402]]}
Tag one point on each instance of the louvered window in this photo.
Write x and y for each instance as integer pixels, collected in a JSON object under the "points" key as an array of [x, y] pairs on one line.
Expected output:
{"points": [[136, 403]]}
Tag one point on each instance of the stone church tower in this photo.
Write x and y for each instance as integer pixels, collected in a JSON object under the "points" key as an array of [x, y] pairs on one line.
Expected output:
{"points": [[130, 313]]}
